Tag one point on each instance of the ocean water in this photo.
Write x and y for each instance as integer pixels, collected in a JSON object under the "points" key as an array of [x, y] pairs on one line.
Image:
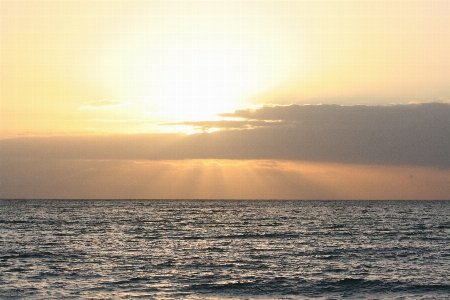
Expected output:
{"points": [[91, 249]]}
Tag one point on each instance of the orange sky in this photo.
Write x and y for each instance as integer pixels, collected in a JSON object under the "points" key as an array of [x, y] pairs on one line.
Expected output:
{"points": [[82, 70], [218, 179]]}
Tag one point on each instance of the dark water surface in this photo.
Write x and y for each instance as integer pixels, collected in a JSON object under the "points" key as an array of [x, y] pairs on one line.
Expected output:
{"points": [[90, 249]]}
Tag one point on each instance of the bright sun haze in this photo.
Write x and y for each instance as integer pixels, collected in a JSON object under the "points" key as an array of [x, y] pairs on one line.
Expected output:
{"points": [[159, 61], [194, 61], [197, 79]]}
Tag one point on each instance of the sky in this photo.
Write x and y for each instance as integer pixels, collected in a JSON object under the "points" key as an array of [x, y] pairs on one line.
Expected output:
{"points": [[225, 99]]}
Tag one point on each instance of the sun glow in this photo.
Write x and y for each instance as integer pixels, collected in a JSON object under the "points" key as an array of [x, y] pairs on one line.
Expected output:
{"points": [[199, 79], [193, 74], [202, 81]]}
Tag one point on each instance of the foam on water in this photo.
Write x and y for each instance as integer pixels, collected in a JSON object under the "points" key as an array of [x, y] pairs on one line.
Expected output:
{"points": [[224, 249]]}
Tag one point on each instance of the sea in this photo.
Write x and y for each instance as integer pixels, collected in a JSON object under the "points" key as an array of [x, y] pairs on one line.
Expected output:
{"points": [[224, 249]]}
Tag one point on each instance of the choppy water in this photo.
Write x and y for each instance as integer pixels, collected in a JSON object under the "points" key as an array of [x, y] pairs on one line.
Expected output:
{"points": [[224, 249]]}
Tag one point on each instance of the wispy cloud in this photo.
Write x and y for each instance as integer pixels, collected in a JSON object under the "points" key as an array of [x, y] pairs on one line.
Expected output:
{"points": [[99, 104], [121, 121], [226, 124]]}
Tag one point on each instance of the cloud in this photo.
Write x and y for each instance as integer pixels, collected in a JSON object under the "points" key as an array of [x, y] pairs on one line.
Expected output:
{"points": [[278, 152], [413, 134], [122, 121], [226, 124], [98, 104]]}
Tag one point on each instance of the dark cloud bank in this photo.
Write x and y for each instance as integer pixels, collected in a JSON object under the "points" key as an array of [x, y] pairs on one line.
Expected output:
{"points": [[413, 134]]}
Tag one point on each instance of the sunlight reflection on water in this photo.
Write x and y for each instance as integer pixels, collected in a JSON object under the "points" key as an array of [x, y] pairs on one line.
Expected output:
{"points": [[225, 249]]}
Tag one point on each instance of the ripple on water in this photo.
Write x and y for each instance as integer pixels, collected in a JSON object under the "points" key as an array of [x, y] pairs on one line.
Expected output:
{"points": [[224, 249]]}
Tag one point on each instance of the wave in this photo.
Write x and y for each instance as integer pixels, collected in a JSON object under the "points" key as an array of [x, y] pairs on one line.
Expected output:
{"points": [[201, 250]]}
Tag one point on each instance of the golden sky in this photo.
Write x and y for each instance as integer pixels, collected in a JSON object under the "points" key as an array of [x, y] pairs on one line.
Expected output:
{"points": [[225, 76]]}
